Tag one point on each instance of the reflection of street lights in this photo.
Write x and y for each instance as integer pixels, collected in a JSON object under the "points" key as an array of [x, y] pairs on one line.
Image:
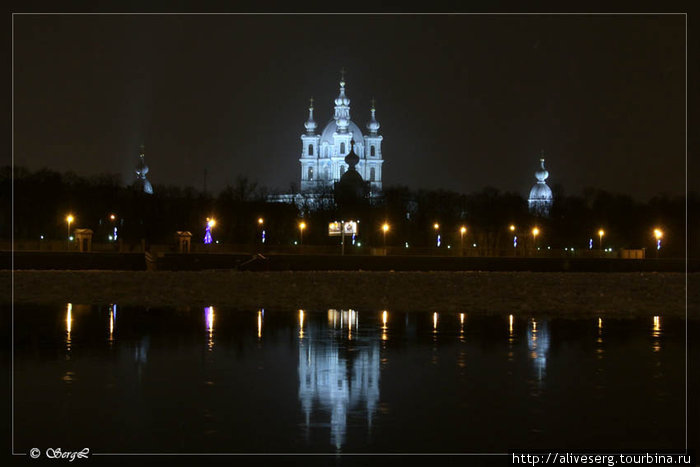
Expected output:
{"points": [[69, 219], [385, 229], [302, 226], [436, 226], [535, 233], [601, 232], [462, 231], [658, 234]]}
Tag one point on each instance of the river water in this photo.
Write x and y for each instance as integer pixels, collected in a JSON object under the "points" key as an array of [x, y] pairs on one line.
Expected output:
{"points": [[128, 379]]}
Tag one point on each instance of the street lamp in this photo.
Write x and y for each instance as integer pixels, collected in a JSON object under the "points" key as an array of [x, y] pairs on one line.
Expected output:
{"points": [[261, 222], [658, 234], [462, 231], [385, 229], [515, 239], [535, 233], [69, 219], [601, 232], [211, 222], [436, 226], [302, 226]]}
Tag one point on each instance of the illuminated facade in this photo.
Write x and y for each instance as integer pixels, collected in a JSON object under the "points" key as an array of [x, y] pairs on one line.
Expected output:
{"points": [[540, 200], [323, 154]]}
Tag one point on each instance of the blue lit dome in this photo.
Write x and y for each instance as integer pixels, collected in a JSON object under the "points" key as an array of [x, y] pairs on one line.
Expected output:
{"points": [[540, 191], [332, 127]]}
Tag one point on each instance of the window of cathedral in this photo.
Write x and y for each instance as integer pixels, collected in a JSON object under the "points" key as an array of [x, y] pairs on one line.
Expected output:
{"points": [[311, 149], [342, 148], [372, 151]]}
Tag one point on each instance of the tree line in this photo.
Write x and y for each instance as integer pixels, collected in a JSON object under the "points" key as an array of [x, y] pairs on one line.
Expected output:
{"points": [[43, 198]]}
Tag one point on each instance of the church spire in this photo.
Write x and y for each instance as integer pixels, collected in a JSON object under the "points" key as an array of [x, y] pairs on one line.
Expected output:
{"points": [[373, 124], [342, 106], [310, 124]]}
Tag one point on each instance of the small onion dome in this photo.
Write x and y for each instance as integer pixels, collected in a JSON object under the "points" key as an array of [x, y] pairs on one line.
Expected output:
{"points": [[373, 124], [342, 99], [352, 159], [541, 174], [310, 124]]}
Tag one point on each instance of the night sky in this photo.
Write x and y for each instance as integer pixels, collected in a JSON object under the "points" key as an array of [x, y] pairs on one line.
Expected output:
{"points": [[465, 101]]}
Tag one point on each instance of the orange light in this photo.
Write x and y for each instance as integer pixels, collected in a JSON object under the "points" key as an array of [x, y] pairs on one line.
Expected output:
{"points": [[260, 220], [302, 225], [535, 231], [512, 228], [385, 227], [463, 230], [436, 226], [658, 233]]}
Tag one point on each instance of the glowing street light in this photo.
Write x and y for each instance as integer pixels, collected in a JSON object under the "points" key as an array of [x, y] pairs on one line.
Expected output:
{"points": [[69, 220], [535, 233], [302, 226], [462, 231], [385, 229], [261, 221], [211, 222], [436, 226], [658, 234], [515, 238], [601, 232]]}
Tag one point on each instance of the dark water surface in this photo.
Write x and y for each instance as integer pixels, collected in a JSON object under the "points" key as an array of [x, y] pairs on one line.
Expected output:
{"points": [[119, 379]]}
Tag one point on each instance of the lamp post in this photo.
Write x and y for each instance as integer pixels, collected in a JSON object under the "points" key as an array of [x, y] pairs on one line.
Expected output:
{"points": [[302, 226], [69, 219], [601, 232], [436, 226], [261, 222], [515, 239], [385, 229], [658, 234], [462, 231], [535, 233]]}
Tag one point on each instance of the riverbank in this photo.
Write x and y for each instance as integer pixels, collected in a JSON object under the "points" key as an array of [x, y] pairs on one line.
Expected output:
{"points": [[560, 294]]}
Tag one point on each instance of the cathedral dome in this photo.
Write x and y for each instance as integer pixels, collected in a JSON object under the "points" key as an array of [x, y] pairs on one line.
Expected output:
{"points": [[540, 191], [342, 99], [541, 174], [332, 127], [373, 124]]}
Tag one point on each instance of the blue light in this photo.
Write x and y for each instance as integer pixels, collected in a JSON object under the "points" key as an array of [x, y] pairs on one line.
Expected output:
{"points": [[353, 238], [515, 241], [658, 244], [115, 234], [207, 235], [590, 243], [263, 236], [438, 240]]}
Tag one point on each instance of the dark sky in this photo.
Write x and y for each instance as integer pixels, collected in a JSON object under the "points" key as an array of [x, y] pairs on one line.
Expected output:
{"points": [[465, 101]]}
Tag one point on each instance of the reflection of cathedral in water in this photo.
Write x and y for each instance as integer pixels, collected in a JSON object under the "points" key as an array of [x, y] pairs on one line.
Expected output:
{"points": [[538, 345], [338, 371]]}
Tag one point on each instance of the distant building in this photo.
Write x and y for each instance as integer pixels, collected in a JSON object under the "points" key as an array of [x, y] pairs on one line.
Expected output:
{"points": [[322, 159], [540, 199], [323, 155]]}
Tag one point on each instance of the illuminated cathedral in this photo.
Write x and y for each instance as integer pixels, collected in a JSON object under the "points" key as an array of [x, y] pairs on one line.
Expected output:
{"points": [[323, 154]]}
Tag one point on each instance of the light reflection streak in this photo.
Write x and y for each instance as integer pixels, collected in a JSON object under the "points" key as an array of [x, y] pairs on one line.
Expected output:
{"points": [[209, 321], [656, 334], [112, 318], [435, 321], [69, 325], [461, 327], [301, 324], [385, 318], [599, 340], [260, 324], [538, 344]]}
